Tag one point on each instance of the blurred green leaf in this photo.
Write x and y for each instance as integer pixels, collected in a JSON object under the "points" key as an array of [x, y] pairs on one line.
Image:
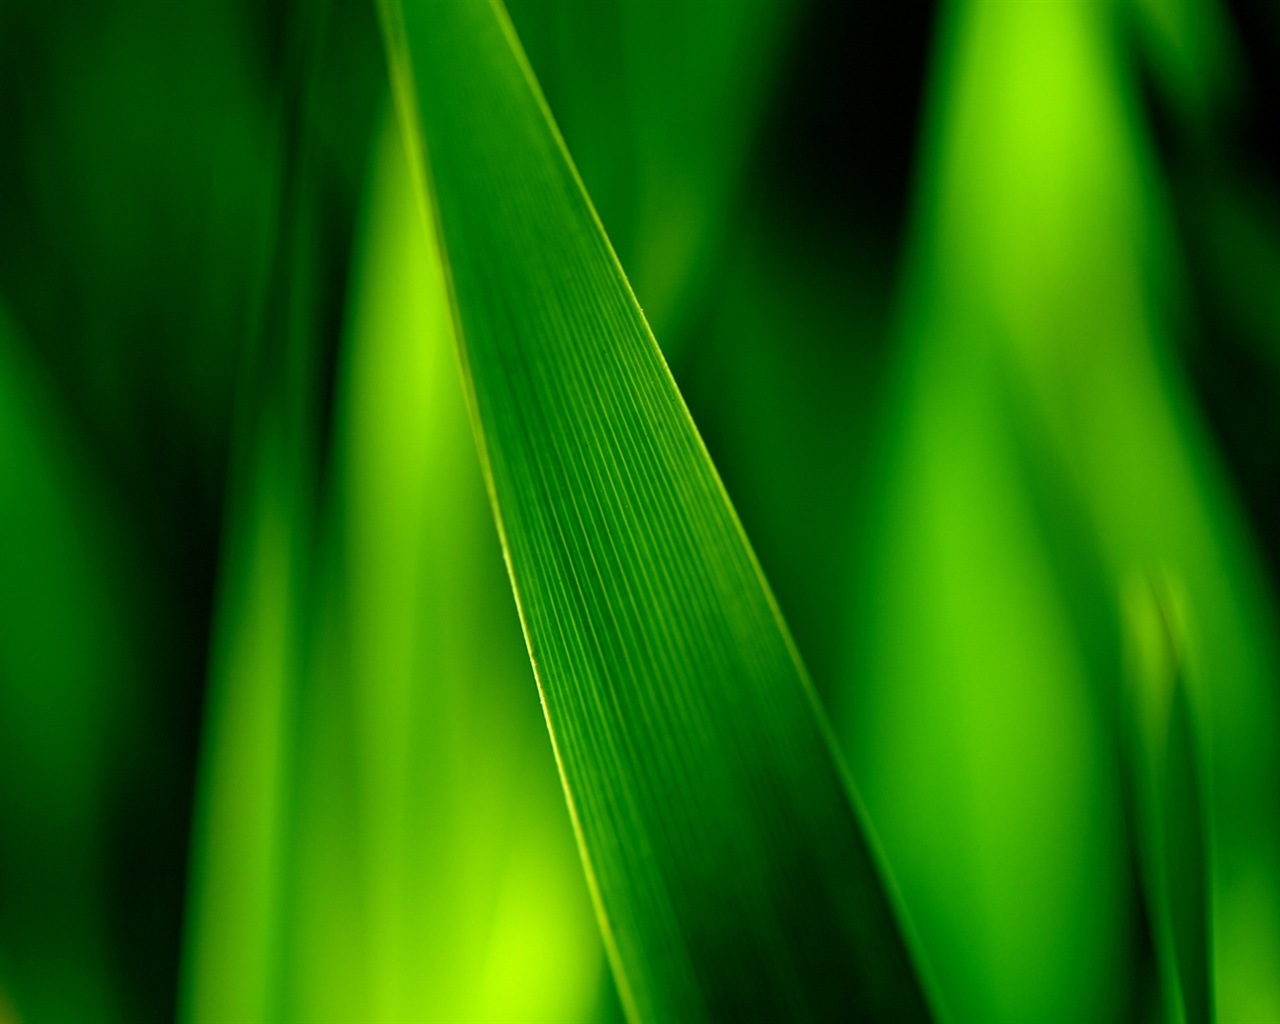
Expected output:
{"points": [[1042, 302], [232, 947], [1192, 54], [432, 873], [238, 841], [66, 675], [729, 866], [233, 951], [659, 104], [1164, 774]]}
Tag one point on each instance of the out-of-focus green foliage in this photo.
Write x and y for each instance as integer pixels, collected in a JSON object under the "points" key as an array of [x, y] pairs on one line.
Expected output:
{"points": [[65, 675], [992, 379], [1166, 783], [1025, 361], [634, 87]]}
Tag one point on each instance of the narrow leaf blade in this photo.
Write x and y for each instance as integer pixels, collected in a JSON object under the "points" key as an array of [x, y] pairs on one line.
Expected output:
{"points": [[730, 870]]}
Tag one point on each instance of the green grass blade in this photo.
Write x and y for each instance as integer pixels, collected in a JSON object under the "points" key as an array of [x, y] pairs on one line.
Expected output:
{"points": [[729, 866]]}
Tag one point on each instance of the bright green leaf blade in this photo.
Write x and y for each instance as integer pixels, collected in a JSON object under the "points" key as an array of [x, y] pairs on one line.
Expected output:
{"points": [[731, 873]]}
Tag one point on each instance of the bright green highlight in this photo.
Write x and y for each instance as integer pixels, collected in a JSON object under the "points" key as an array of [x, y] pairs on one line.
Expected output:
{"points": [[233, 934]]}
